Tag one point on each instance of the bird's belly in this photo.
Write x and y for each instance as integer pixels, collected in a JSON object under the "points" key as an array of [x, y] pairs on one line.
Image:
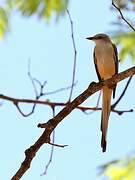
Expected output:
{"points": [[106, 67]]}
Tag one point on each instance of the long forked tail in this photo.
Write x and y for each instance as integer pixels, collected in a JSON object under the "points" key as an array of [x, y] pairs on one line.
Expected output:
{"points": [[106, 100]]}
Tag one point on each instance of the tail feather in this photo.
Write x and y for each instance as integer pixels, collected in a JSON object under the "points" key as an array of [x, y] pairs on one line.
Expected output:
{"points": [[107, 92]]}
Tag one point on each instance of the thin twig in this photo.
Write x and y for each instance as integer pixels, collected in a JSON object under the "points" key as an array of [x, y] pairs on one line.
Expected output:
{"points": [[59, 90], [123, 16], [24, 114], [91, 112], [51, 92], [38, 94], [122, 94], [52, 148], [31, 78], [16, 101], [123, 111], [58, 145], [75, 54], [39, 83], [119, 10], [98, 99]]}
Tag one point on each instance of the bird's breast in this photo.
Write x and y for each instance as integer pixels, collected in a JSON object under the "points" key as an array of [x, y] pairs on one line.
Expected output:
{"points": [[105, 60]]}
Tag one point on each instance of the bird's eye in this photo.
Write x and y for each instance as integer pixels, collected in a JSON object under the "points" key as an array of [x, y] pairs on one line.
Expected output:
{"points": [[99, 37]]}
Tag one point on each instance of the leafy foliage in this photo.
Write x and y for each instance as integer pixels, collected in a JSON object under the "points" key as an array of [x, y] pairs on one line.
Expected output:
{"points": [[120, 169], [3, 21], [126, 41], [42, 8], [125, 4]]}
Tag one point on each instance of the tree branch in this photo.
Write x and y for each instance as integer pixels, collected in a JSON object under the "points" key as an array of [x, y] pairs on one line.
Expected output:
{"points": [[16, 101], [52, 123], [122, 94], [113, 4]]}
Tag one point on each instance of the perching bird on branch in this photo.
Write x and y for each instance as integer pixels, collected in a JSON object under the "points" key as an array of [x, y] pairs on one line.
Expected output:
{"points": [[106, 65]]}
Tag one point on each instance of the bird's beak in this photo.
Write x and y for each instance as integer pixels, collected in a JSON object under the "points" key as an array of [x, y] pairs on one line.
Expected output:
{"points": [[90, 38]]}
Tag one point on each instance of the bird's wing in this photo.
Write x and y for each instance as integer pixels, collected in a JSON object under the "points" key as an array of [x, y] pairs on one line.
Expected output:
{"points": [[116, 65], [95, 62]]}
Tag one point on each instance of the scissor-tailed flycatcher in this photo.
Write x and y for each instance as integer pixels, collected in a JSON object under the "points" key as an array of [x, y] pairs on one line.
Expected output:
{"points": [[106, 65]]}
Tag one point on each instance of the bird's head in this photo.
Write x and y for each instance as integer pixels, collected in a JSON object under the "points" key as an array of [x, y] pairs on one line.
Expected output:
{"points": [[99, 38]]}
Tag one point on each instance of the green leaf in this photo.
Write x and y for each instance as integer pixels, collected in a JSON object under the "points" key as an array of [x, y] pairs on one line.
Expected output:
{"points": [[51, 6], [3, 22], [27, 7], [120, 169], [126, 41], [41, 8]]}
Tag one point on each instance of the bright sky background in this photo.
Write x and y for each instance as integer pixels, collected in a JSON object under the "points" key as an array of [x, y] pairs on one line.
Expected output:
{"points": [[49, 46]]}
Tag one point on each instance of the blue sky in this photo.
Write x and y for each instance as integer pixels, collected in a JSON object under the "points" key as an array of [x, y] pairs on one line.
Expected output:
{"points": [[49, 47]]}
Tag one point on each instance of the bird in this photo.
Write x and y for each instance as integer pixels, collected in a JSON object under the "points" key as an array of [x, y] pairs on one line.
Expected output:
{"points": [[106, 65]]}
